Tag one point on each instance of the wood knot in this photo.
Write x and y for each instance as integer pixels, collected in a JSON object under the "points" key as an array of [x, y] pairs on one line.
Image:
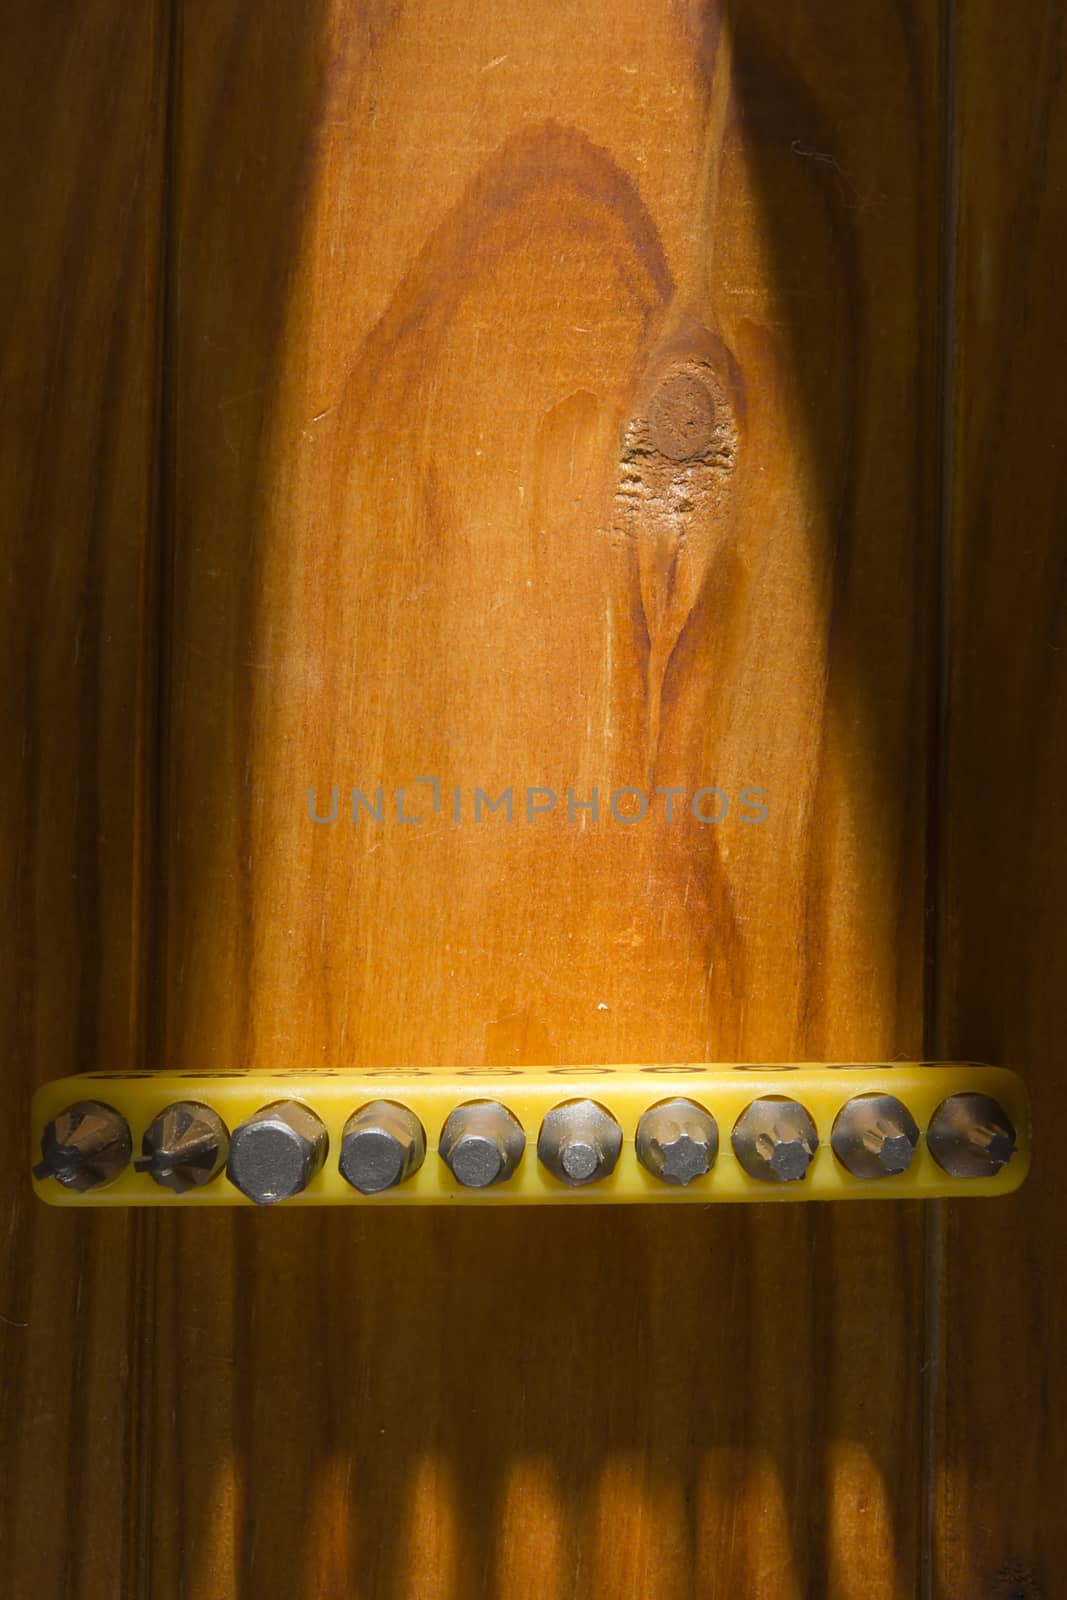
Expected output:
{"points": [[681, 418], [678, 453], [672, 500]]}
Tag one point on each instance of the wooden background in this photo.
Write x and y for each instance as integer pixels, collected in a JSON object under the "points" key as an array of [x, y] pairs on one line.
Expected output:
{"points": [[333, 337]]}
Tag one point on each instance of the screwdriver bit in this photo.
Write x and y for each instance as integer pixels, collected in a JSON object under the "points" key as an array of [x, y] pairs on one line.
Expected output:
{"points": [[277, 1151], [481, 1144], [775, 1140], [874, 1136], [184, 1147], [579, 1142], [970, 1137], [86, 1146], [677, 1141], [382, 1144]]}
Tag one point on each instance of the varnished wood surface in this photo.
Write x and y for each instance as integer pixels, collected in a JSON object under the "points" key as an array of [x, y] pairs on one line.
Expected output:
{"points": [[82, 174], [1002, 1455], [394, 501], [409, 401]]}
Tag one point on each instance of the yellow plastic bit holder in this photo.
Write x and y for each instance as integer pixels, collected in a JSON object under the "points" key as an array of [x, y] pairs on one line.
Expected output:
{"points": [[528, 1093]]}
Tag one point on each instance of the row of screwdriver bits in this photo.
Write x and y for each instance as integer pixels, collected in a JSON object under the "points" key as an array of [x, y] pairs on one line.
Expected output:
{"points": [[276, 1152]]}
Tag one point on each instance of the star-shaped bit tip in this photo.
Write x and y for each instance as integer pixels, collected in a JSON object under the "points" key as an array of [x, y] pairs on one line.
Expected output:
{"points": [[684, 1159]]}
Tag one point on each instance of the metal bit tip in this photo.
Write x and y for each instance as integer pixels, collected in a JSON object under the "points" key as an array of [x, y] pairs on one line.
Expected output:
{"points": [[970, 1136], [277, 1152], [677, 1141], [185, 1147], [382, 1144], [775, 1140], [481, 1144], [86, 1146], [874, 1136], [579, 1142]]}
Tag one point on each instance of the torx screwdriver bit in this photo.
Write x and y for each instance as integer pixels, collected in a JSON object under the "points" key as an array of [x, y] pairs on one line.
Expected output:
{"points": [[874, 1136], [970, 1136], [677, 1141], [775, 1140]]}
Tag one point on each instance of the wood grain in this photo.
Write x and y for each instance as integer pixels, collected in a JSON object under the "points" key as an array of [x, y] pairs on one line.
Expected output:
{"points": [[448, 294], [1002, 1454], [82, 175], [432, 284]]}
